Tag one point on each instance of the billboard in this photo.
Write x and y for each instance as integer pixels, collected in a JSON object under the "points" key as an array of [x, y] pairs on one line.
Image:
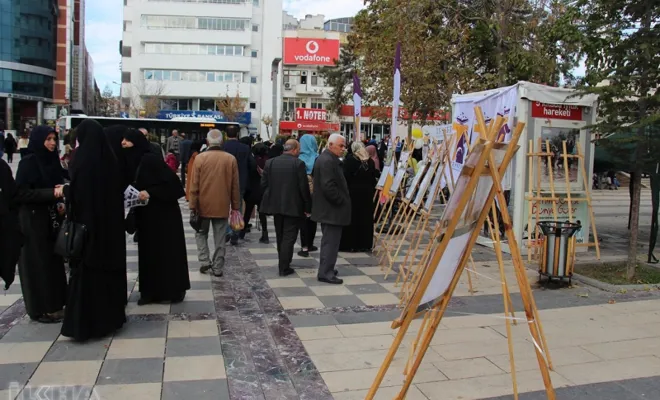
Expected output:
{"points": [[298, 51]]}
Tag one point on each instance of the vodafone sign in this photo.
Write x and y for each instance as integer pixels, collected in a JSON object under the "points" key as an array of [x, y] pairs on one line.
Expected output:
{"points": [[310, 51]]}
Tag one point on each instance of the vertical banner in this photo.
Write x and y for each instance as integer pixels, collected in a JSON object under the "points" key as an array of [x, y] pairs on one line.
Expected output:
{"points": [[502, 104], [357, 107], [464, 111], [397, 92]]}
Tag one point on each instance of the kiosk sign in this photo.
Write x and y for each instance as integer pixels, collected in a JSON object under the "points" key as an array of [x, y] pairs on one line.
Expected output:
{"points": [[556, 111]]}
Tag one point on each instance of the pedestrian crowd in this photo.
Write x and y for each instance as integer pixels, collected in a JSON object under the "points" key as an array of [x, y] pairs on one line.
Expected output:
{"points": [[226, 181]]}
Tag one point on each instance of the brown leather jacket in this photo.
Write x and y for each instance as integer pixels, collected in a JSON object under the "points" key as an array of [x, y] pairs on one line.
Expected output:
{"points": [[214, 184]]}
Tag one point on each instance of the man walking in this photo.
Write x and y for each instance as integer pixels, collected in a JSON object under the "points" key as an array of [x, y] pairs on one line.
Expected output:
{"points": [[242, 153], [331, 205], [174, 145], [213, 189], [184, 147], [286, 197]]}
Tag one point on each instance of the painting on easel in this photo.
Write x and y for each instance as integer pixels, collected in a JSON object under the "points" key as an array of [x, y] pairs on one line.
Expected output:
{"points": [[555, 136]]}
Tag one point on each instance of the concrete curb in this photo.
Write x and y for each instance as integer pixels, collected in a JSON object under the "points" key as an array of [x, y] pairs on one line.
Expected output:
{"points": [[613, 288]]}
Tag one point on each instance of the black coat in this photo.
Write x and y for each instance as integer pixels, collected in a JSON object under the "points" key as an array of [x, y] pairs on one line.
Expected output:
{"points": [[286, 191], [253, 194], [331, 202], [12, 238], [43, 277], [241, 152]]}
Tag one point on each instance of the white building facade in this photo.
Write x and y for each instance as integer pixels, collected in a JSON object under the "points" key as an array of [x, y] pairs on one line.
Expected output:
{"points": [[189, 53]]}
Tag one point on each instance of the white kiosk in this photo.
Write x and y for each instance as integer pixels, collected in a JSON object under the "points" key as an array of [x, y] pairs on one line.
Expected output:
{"points": [[548, 112]]}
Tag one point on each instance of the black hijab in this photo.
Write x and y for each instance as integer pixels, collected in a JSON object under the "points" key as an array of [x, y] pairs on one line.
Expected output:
{"points": [[247, 140], [275, 150], [115, 135], [154, 171], [47, 172], [134, 154], [196, 146]]}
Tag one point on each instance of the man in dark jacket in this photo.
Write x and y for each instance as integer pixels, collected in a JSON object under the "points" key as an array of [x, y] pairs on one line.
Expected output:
{"points": [[331, 205], [286, 197], [184, 148], [241, 152]]}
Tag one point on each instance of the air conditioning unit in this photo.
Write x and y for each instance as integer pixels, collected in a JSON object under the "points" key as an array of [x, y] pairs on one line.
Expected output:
{"points": [[303, 73], [287, 85], [287, 116]]}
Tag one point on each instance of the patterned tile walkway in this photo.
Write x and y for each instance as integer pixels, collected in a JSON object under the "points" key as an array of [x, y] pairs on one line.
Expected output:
{"points": [[253, 335]]}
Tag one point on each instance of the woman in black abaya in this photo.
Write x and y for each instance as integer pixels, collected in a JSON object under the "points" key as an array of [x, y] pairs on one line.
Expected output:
{"points": [[361, 175], [43, 278], [163, 261], [12, 238], [97, 287]]}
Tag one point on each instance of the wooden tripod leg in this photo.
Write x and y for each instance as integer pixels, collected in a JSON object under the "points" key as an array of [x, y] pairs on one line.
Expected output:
{"points": [[469, 275], [417, 236], [525, 291], [401, 240], [495, 235], [394, 232]]}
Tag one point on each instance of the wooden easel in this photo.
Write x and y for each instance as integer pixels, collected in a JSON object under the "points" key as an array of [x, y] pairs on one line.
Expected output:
{"points": [[480, 163], [538, 194]]}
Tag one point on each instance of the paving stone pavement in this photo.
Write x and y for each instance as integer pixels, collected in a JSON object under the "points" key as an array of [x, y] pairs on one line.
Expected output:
{"points": [[253, 335]]}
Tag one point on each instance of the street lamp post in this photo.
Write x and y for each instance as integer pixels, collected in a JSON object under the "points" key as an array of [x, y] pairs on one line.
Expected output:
{"points": [[275, 66]]}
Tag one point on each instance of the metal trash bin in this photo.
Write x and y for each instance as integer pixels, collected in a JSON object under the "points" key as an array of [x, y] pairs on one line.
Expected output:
{"points": [[558, 246]]}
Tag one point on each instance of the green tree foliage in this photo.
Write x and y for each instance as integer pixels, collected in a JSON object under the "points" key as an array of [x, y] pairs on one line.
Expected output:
{"points": [[428, 48], [340, 76], [621, 41], [513, 40]]}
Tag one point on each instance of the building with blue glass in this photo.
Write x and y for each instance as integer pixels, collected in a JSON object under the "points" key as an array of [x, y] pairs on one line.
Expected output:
{"points": [[28, 45]]}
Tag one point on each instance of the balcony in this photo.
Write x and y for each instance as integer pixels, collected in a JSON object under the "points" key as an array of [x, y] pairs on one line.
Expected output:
{"points": [[309, 90]]}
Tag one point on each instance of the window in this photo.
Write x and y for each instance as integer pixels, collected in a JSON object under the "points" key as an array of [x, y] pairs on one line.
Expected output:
{"points": [[253, 105], [318, 104], [285, 78], [254, 54], [125, 77], [315, 80], [253, 79], [203, 23], [303, 80], [193, 49], [255, 28], [193, 76], [207, 104]]}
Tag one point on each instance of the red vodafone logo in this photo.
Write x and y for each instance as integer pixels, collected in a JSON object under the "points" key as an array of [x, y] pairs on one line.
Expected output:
{"points": [[310, 51]]}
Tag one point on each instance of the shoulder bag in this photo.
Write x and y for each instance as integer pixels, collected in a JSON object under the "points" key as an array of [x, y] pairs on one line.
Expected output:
{"points": [[71, 238]]}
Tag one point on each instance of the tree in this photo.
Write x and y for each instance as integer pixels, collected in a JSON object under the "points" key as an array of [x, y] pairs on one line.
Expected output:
{"points": [[513, 40], [144, 98], [268, 121], [231, 106], [621, 41], [107, 103], [430, 40], [340, 76]]}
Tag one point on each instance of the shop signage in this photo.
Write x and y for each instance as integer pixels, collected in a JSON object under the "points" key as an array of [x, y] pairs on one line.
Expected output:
{"points": [[311, 114], [244, 118], [316, 126], [556, 111], [579, 210], [299, 51]]}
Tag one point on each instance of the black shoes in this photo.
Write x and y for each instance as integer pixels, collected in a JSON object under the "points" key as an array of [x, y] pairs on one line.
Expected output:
{"points": [[313, 248], [287, 272], [334, 280], [303, 253], [264, 240], [204, 269], [218, 274]]}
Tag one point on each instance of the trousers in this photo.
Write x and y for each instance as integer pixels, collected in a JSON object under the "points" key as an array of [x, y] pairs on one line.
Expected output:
{"points": [[329, 250], [202, 238], [286, 233]]}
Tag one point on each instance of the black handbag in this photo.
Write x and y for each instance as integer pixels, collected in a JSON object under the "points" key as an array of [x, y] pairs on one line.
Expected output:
{"points": [[130, 223], [71, 238], [195, 221]]}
